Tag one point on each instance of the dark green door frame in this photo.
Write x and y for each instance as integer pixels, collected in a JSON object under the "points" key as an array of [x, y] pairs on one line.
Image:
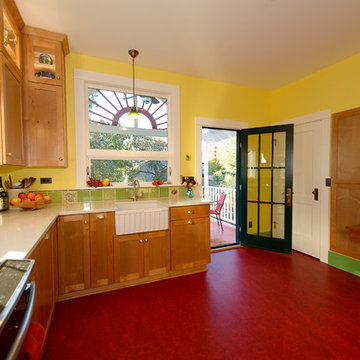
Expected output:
{"points": [[256, 240]]}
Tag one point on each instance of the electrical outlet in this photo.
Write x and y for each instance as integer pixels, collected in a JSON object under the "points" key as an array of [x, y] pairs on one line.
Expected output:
{"points": [[46, 180]]}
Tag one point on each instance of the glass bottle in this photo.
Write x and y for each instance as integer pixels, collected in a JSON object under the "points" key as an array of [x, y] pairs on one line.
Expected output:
{"points": [[3, 197]]}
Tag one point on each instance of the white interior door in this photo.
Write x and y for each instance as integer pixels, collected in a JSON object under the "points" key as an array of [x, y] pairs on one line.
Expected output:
{"points": [[307, 178]]}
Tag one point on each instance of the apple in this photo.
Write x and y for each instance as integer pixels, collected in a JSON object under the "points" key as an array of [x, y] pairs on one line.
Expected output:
{"points": [[22, 195], [31, 195], [47, 198], [25, 200], [39, 193], [15, 200], [38, 196]]}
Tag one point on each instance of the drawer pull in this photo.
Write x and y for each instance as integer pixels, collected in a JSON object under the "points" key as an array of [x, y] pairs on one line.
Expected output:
{"points": [[100, 217], [85, 222], [190, 222], [191, 212]]}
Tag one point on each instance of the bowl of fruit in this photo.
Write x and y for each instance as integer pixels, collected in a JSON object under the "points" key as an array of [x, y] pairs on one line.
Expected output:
{"points": [[30, 201]]}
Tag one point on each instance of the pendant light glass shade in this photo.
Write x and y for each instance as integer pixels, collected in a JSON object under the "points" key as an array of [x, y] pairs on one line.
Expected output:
{"points": [[133, 114]]}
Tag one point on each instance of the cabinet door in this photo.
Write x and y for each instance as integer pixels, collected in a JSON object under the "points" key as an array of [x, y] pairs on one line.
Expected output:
{"points": [[13, 152], [44, 275], [190, 243], [43, 114], [102, 230], [43, 59], [128, 257], [156, 253], [73, 253]]}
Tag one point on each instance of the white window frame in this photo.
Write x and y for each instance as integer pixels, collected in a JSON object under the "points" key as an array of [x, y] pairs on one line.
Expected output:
{"points": [[83, 80]]}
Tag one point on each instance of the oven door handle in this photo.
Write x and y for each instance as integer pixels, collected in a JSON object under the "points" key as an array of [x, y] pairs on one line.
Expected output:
{"points": [[20, 337]]}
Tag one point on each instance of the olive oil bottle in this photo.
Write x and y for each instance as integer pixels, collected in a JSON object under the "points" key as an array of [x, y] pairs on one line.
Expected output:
{"points": [[3, 197]]}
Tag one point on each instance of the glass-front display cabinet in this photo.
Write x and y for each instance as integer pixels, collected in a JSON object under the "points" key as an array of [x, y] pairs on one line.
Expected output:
{"points": [[44, 60], [10, 39]]}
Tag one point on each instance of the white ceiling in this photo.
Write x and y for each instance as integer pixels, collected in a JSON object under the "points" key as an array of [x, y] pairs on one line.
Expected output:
{"points": [[258, 43]]}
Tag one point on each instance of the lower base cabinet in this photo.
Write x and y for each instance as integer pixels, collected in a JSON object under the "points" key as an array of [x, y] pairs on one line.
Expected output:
{"points": [[45, 277], [141, 255], [85, 251]]}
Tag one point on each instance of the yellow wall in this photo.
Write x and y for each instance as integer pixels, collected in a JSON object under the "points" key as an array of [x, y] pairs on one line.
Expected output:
{"points": [[336, 87], [198, 97]]}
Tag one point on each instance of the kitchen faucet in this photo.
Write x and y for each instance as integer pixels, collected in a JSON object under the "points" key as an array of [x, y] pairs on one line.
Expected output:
{"points": [[135, 184]]}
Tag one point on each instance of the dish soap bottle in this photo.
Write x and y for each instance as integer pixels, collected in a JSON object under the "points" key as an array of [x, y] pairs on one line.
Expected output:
{"points": [[3, 197]]}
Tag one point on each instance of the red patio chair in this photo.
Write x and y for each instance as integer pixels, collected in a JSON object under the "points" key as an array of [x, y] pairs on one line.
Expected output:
{"points": [[218, 208]]}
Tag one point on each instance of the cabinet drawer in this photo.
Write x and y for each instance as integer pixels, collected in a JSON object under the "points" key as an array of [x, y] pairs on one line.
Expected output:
{"points": [[188, 212]]}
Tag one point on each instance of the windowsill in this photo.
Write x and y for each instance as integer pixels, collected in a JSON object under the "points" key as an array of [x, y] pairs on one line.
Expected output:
{"points": [[125, 186]]}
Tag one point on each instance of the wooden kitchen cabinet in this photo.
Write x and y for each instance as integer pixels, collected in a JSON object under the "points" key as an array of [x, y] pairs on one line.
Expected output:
{"points": [[85, 251], [190, 236], [140, 255], [102, 229], [45, 276], [73, 253], [44, 100], [44, 124], [11, 114]]}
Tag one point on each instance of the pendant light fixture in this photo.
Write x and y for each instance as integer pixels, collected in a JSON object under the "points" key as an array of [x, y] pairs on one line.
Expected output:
{"points": [[134, 112]]}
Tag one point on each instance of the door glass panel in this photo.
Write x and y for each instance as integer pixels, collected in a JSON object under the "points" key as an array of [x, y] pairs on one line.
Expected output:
{"points": [[252, 218], [253, 150], [265, 150], [265, 220], [279, 148], [252, 190], [265, 185], [278, 229], [279, 185]]}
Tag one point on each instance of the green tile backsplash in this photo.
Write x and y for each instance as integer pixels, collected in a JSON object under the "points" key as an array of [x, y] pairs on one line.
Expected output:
{"points": [[115, 194]]}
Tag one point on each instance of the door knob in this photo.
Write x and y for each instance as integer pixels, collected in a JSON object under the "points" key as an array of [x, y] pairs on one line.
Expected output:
{"points": [[315, 192]]}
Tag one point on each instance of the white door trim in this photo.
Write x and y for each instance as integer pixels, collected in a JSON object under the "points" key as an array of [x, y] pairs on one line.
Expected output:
{"points": [[201, 122], [325, 118]]}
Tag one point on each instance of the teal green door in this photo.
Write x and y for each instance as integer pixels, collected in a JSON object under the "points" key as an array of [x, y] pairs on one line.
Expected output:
{"points": [[265, 196]]}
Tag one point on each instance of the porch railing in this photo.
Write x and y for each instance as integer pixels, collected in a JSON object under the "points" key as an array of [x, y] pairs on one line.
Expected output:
{"points": [[212, 193]]}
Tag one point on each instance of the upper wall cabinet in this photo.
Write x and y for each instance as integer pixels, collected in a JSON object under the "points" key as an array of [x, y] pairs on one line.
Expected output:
{"points": [[44, 102], [11, 24], [11, 129]]}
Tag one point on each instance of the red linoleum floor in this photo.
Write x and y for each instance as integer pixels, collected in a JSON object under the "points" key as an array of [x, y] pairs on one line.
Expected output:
{"points": [[251, 304]]}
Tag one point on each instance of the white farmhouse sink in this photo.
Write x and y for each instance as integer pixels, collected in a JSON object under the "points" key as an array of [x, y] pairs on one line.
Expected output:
{"points": [[140, 216]]}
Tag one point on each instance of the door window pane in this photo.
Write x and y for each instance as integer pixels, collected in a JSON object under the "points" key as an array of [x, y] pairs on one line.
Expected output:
{"points": [[265, 220], [252, 185], [265, 185], [253, 150], [252, 218], [265, 150], [279, 148], [279, 185], [278, 228]]}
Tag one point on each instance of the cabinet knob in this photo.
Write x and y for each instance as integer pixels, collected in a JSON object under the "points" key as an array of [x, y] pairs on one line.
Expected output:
{"points": [[58, 77], [190, 212], [100, 217], [9, 154], [190, 222], [140, 240], [85, 222], [146, 240], [47, 236], [61, 159]]}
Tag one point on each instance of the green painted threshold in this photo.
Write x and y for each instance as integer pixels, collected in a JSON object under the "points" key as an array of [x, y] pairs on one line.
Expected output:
{"points": [[345, 263]]}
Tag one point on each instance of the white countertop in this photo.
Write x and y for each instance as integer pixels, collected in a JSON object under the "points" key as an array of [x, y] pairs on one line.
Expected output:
{"points": [[21, 229]]}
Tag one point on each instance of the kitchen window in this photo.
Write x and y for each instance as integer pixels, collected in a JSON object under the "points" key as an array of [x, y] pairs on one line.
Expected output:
{"points": [[111, 145]]}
